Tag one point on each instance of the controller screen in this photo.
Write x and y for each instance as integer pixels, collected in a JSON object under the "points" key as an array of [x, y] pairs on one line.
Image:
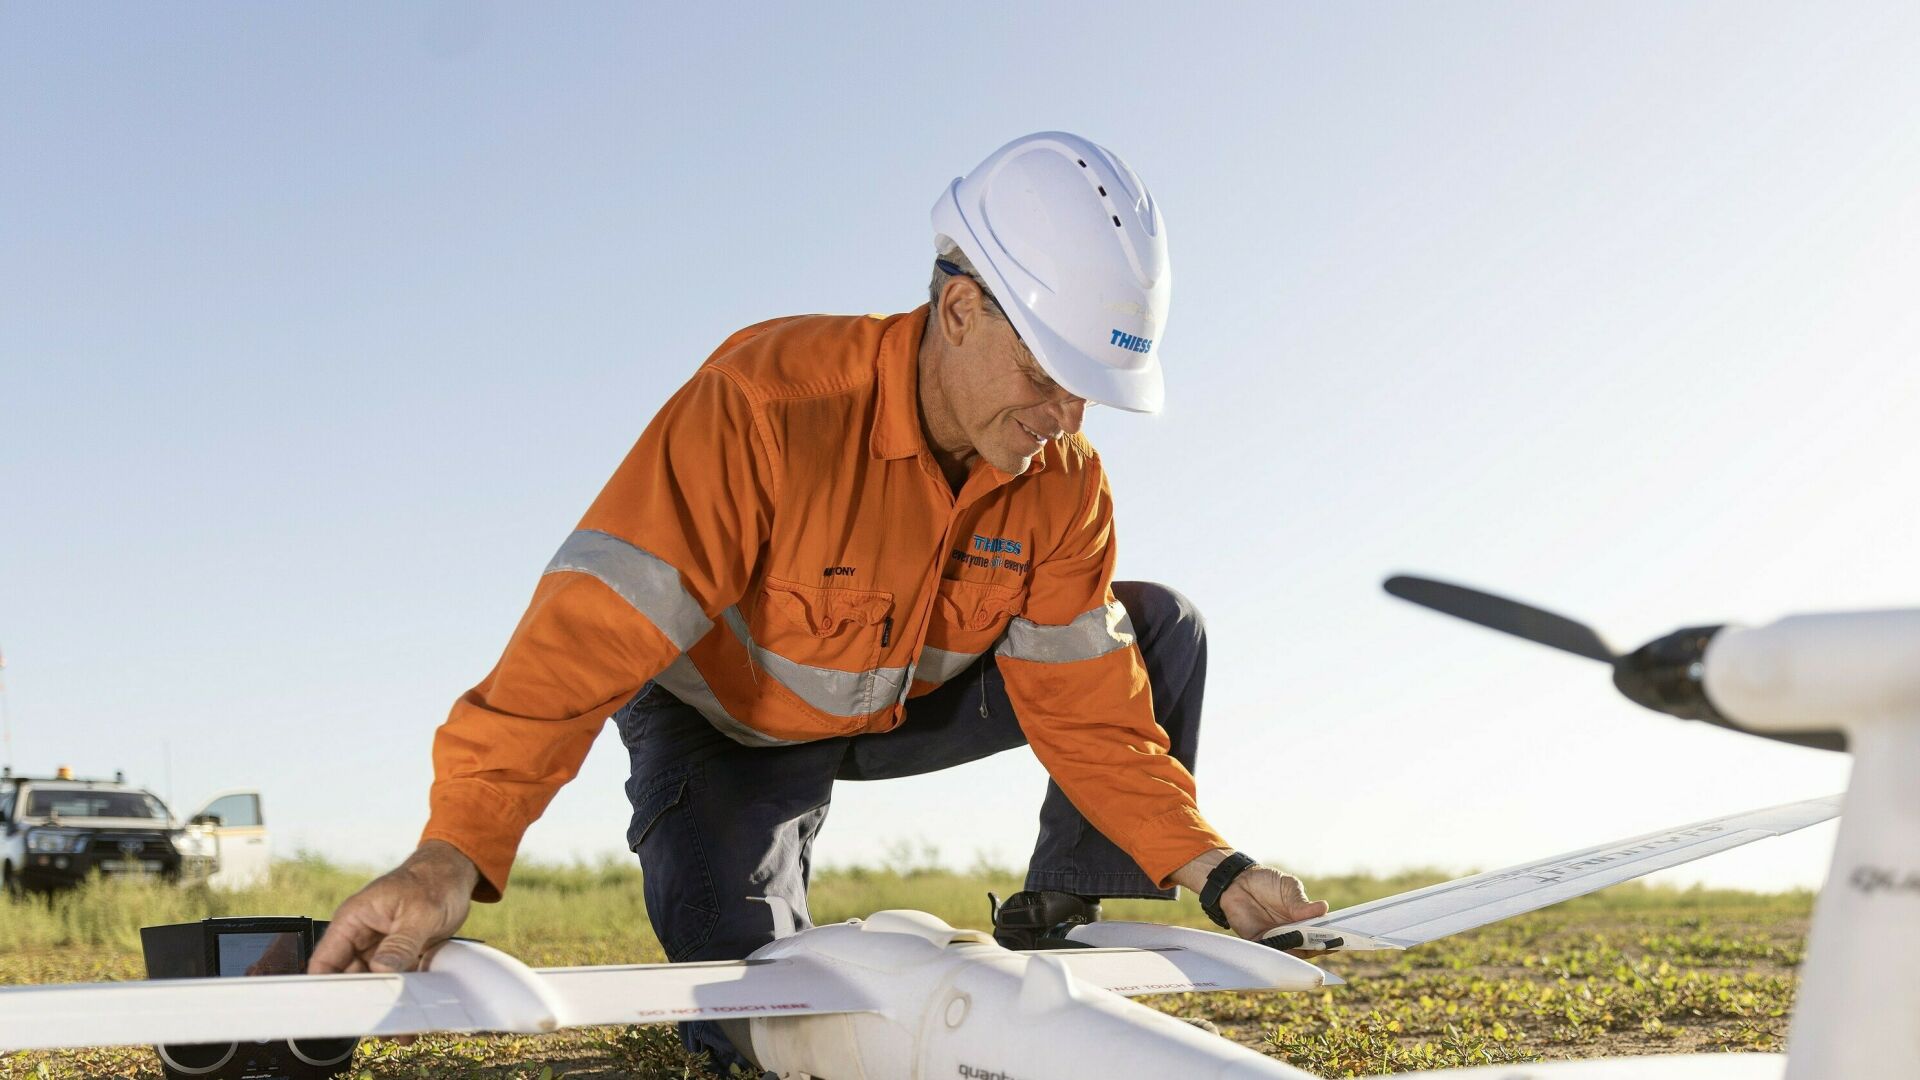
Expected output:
{"points": [[261, 954]]}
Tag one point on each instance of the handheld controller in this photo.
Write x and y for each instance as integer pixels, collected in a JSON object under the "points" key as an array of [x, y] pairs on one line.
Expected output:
{"points": [[239, 948]]}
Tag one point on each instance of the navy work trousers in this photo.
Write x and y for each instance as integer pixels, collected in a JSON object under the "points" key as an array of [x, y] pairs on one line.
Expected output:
{"points": [[716, 822]]}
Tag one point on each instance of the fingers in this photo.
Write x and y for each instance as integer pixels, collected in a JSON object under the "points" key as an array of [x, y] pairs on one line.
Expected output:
{"points": [[399, 951], [340, 949], [1294, 903], [387, 926], [1263, 898], [362, 938], [1292, 893]]}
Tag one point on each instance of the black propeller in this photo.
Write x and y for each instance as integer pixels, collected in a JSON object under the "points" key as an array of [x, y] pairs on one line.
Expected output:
{"points": [[1663, 675], [1504, 615]]}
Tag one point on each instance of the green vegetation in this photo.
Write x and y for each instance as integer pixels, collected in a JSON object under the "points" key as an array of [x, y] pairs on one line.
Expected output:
{"points": [[1633, 970]]}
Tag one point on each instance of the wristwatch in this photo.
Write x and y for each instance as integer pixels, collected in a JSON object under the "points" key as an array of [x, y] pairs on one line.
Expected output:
{"points": [[1223, 875]]}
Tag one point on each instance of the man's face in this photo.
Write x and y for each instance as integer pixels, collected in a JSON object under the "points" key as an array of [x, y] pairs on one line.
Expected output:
{"points": [[1005, 404]]}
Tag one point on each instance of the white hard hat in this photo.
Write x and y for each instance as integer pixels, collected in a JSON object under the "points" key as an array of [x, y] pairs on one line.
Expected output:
{"points": [[1070, 243]]}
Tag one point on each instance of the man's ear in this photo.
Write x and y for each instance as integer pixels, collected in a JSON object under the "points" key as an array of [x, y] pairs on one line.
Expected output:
{"points": [[960, 311]]}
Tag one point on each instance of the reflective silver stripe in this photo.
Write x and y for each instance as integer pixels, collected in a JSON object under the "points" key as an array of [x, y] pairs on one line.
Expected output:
{"points": [[641, 578], [906, 683], [1090, 634], [938, 665], [836, 693], [685, 682]]}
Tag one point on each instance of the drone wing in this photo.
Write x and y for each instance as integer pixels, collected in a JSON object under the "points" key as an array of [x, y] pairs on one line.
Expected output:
{"points": [[467, 987], [1420, 916]]}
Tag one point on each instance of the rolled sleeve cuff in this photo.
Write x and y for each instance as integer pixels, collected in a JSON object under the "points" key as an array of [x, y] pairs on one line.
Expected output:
{"points": [[480, 823], [1170, 841]]}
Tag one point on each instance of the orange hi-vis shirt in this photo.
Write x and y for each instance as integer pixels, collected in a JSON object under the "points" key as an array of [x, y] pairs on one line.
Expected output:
{"points": [[782, 553]]}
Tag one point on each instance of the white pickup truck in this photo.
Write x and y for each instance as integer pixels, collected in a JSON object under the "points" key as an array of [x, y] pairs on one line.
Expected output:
{"points": [[56, 830]]}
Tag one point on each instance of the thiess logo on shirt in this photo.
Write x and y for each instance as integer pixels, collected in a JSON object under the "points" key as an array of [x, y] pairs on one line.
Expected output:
{"points": [[992, 553]]}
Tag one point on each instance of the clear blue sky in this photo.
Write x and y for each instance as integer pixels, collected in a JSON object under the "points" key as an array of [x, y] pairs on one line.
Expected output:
{"points": [[321, 324]]}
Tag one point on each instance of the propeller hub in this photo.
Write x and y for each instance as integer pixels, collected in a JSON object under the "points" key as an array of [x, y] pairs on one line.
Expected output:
{"points": [[1667, 674]]}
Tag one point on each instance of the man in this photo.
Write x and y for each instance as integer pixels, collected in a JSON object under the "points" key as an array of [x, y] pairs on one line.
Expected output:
{"points": [[857, 548]]}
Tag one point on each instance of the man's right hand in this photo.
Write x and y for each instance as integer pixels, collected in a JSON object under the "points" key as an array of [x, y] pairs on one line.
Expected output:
{"points": [[389, 925]]}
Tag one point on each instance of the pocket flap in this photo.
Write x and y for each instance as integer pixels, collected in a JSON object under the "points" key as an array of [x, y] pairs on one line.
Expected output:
{"points": [[822, 611], [648, 808], [977, 605]]}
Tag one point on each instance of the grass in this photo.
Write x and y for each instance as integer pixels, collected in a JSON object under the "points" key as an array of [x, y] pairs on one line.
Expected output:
{"points": [[1632, 970]]}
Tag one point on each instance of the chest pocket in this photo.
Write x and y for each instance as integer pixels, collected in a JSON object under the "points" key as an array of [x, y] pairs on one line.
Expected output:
{"points": [[841, 629], [971, 615]]}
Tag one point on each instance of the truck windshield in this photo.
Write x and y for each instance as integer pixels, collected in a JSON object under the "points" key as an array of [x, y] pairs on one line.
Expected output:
{"points": [[86, 804]]}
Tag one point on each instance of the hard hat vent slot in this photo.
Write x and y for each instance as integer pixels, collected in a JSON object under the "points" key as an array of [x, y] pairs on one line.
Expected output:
{"points": [[1083, 163], [1103, 191], [1116, 221]]}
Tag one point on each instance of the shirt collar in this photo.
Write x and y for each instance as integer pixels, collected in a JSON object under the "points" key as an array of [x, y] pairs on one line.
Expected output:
{"points": [[896, 419]]}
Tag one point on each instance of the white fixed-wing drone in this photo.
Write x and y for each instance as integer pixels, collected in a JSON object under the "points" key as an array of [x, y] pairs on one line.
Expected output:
{"points": [[903, 995]]}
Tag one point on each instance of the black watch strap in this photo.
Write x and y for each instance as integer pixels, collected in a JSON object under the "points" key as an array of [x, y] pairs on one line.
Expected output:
{"points": [[1223, 875]]}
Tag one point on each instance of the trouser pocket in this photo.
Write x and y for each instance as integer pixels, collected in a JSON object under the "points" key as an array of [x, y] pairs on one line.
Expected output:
{"points": [[677, 880]]}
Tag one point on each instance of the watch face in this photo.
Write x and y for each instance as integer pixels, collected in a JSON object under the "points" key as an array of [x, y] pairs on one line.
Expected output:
{"points": [[262, 954]]}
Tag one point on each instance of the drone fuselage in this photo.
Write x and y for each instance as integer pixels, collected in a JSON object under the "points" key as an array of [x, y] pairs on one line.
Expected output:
{"points": [[958, 1005]]}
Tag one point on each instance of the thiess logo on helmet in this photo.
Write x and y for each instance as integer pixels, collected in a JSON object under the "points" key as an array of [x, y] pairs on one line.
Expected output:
{"points": [[1131, 342]]}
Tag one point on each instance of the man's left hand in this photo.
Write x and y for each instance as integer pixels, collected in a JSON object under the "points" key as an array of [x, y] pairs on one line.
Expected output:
{"points": [[1260, 899]]}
